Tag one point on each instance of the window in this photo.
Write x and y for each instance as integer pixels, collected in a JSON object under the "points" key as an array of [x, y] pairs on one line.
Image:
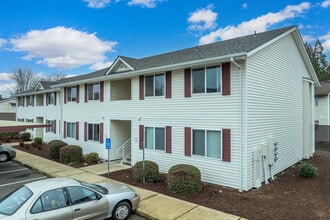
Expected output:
{"points": [[21, 101], [81, 195], [155, 138], [206, 143], [94, 91], [50, 200], [12, 202], [51, 128], [155, 85], [93, 132], [29, 100], [29, 121], [71, 94], [71, 130], [51, 98], [206, 80], [317, 102]]}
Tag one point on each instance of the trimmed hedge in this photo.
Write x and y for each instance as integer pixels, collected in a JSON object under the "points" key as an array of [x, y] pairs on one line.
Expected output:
{"points": [[91, 157], [71, 154], [25, 136], [54, 148], [37, 140], [151, 171], [184, 179]]}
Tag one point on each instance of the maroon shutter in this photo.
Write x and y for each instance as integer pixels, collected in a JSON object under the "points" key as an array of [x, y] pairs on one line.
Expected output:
{"points": [[168, 76], [33, 100], [77, 98], [101, 91], [226, 79], [168, 141], [85, 131], [54, 98], [65, 98], [187, 141], [101, 133], [86, 92], [47, 98], [77, 130], [141, 87], [64, 129], [141, 136], [226, 145], [187, 82], [54, 126], [46, 127]]}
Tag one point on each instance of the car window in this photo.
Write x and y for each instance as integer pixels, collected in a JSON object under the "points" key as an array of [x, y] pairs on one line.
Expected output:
{"points": [[50, 200], [80, 194], [12, 202]]}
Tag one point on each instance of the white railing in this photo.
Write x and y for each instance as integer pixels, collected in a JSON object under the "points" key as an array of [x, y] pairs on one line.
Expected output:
{"points": [[124, 151]]}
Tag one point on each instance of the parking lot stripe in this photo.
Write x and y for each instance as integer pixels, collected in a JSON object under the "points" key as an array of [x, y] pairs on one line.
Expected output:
{"points": [[22, 181], [10, 171]]}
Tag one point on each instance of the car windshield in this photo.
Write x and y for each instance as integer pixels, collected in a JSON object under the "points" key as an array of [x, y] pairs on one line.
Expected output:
{"points": [[13, 201], [95, 187]]}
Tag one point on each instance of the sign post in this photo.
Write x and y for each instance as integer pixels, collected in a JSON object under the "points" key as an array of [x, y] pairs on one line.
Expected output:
{"points": [[108, 147]]}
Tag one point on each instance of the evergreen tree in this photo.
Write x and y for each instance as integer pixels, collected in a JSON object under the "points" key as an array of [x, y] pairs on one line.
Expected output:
{"points": [[319, 60]]}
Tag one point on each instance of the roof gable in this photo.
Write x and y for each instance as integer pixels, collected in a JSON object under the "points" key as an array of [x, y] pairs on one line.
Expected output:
{"points": [[120, 65]]}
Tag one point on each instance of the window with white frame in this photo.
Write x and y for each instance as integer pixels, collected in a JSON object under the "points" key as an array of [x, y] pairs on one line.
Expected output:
{"points": [[93, 132], [29, 121], [51, 98], [71, 129], [94, 91], [317, 101], [155, 85], [71, 94], [21, 101], [29, 100], [51, 128], [206, 80], [154, 138], [206, 143]]}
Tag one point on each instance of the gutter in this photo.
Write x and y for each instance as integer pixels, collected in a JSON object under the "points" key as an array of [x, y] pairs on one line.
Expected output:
{"points": [[240, 123]]}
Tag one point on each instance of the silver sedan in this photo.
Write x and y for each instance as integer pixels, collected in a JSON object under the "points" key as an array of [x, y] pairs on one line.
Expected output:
{"points": [[6, 153], [66, 198]]}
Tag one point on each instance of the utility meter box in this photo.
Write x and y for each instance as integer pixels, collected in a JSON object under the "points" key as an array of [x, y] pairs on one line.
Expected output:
{"points": [[269, 149]]}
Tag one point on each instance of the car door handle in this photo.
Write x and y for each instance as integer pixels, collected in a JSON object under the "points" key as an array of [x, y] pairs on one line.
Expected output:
{"points": [[77, 210]]}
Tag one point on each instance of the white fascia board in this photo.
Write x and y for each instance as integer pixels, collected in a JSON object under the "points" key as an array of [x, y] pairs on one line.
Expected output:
{"points": [[36, 92], [78, 82]]}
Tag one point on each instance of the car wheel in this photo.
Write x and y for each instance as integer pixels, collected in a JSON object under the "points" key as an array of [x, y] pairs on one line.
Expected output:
{"points": [[4, 156], [122, 211]]}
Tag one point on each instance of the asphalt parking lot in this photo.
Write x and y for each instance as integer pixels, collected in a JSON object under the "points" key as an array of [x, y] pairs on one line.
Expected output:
{"points": [[14, 175]]}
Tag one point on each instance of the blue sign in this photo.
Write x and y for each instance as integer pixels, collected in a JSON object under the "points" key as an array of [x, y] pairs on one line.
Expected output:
{"points": [[108, 143]]}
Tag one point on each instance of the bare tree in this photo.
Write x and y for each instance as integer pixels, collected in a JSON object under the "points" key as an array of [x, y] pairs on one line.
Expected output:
{"points": [[55, 77], [24, 78]]}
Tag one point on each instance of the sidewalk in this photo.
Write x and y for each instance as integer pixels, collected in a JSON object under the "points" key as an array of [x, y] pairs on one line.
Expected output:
{"points": [[152, 205]]}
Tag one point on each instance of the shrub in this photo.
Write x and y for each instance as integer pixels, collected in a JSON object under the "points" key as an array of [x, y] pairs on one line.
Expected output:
{"points": [[37, 140], [21, 144], [184, 179], [91, 157], [54, 148], [25, 136], [71, 154], [151, 171], [307, 170]]}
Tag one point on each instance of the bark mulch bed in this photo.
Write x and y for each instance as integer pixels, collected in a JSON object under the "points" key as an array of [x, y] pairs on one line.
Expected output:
{"points": [[287, 197]]}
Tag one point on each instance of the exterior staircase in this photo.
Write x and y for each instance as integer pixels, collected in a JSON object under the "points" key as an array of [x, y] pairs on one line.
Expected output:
{"points": [[124, 152]]}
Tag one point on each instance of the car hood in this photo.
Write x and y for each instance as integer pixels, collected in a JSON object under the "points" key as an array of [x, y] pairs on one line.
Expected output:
{"points": [[115, 188]]}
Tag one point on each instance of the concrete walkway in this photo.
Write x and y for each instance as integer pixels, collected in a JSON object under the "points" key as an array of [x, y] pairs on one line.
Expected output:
{"points": [[152, 205]]}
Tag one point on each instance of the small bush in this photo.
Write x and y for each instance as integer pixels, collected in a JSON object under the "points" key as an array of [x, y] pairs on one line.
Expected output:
{"points": [[71, 154], [37, 140], [54, 148], [21, 144], [25, 136], [151, 171], [184, 179], [91, 157], [307, 170]]}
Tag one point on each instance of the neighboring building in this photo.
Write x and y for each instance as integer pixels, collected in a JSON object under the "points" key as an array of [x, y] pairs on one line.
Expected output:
{"points": [[8, 109], [240, 110], [322, 104]]}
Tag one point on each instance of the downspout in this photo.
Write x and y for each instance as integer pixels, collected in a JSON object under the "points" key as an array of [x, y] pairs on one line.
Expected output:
{"points": [[240, 123]]}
